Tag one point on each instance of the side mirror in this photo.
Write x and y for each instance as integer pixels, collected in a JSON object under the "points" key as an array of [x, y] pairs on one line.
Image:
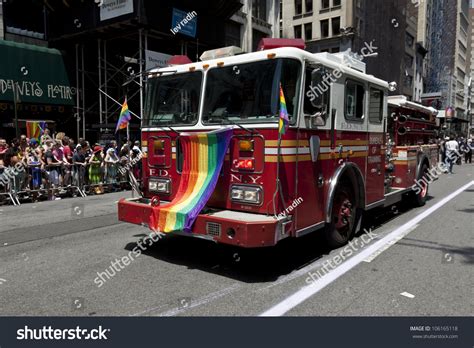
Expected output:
{"points": [[320, 88]]}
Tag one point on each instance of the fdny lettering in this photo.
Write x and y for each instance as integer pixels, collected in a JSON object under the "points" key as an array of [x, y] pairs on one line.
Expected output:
{"points": [[159, 172]]}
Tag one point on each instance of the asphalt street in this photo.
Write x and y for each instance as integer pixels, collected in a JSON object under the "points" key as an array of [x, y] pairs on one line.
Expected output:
{"points": [[51, 253]]}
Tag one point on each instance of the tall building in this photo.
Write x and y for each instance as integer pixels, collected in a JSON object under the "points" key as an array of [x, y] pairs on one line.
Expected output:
{"points": [[325, 25], [471, 61], [334, 26], [448, 68], [255, 20]]}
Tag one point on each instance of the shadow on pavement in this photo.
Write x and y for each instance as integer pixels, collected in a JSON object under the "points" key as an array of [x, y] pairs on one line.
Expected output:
{"points": [[260, 264]]}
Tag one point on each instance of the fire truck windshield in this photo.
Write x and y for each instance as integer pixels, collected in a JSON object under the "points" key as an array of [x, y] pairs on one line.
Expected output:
{"points": [[250, 92], [173, 100]]}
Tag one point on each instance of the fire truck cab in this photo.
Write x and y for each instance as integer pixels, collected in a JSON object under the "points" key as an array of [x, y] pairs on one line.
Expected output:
{"points": [[338, 159]]}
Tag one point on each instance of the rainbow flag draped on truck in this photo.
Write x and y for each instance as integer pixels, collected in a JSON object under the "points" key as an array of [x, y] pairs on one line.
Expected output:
{"points": [[204, 155]]}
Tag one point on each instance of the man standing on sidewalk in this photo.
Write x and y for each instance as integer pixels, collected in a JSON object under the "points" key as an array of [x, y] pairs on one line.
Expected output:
{"points": [[452, 153]]}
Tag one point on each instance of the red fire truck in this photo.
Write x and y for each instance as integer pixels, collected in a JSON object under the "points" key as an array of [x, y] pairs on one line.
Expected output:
{"points": [[343, 154]]}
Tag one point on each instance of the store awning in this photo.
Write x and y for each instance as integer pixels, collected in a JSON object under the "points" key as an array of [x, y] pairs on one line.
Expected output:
{"points": [[38, 72]]}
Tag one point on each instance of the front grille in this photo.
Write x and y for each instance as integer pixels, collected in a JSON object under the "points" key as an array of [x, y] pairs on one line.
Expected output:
{"points": [[213, 229]]}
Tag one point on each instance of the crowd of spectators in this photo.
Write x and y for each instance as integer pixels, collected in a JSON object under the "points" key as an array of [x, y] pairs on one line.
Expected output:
{"points": [[55, 166]]}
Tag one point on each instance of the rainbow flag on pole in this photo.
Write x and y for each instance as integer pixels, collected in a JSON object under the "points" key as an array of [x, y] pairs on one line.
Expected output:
{"points": [[35, 129], [203, 155], [124, 117], [284, 121]]}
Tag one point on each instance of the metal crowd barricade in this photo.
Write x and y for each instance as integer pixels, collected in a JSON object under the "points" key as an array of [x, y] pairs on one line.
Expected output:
{"points": [[37, 181]]}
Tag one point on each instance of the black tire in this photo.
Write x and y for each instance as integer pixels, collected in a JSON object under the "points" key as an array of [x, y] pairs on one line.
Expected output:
{"points": [[421, 197], [343, 217]]}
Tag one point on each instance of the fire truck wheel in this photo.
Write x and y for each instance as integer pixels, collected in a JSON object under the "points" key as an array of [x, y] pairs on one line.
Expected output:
{"points": [[343, 217], [422, 195]]}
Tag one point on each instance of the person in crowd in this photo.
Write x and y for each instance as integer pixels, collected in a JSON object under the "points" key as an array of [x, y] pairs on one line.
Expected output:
{"points": [[452, 153], [111, 160], [46, 136], [13, 157], [79, 164], [35, 165], [469, 150], [95, 164], [53, 161], [66, 149], [442, 149]]}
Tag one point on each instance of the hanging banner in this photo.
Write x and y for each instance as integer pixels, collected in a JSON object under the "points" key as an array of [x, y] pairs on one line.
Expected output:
{"points": [[184, 23], [115, 8], [156, 59]]}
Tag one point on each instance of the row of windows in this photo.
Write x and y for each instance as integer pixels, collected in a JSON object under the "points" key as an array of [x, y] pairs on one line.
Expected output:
{"points": [[308, 29], [355, 95], [325, 5]]}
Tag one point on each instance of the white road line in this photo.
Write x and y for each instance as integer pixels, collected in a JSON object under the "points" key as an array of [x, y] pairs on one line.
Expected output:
{"points": [[389, 244], [194, 303], [306, 292]]}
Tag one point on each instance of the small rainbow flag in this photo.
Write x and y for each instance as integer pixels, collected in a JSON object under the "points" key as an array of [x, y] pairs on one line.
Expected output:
{"points": [[124, 117], [204, 155], [35, 129], [284, 121]]}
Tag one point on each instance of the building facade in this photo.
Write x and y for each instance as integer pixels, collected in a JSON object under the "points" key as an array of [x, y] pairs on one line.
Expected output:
{"points": [[448, 64], [255, 20], [325, 25]]}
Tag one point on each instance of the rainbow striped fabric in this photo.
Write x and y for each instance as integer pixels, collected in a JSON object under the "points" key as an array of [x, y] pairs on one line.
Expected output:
{"points": [[124, 117], [35, 129], [284, 121], [204, 155]]}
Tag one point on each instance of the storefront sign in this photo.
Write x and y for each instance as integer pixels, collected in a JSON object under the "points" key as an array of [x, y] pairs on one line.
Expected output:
{"points": [[156, 59], [115, 8]]}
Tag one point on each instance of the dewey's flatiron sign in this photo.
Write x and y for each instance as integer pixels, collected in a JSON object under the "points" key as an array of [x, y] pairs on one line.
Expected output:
{"points": [[38, 75], [31, 91]]}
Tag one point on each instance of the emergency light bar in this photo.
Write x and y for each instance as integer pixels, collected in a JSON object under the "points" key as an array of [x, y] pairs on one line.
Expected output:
{"points": [[221, 52], [268, 43]]}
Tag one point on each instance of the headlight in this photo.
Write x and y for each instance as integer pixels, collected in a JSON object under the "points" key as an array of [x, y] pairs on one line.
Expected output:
{"points": [[159, 185], [246, 194]]}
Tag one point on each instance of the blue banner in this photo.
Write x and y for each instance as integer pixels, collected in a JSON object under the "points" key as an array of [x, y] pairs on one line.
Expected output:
{"points": [[184, 23]]}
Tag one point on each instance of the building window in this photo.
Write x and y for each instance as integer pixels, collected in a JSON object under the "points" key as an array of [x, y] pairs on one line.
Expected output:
{"points": [[308, 31], [336, 25], [309, 5], [409, 40], [408, 82], [298, 7], [408, 61], [354, 100], [324, 4], [376, 106], [336, 3], [298, 32], [325, 28], [259, 9], [335, 50]]}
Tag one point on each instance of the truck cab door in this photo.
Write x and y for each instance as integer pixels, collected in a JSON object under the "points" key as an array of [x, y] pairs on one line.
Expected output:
{"points": [[375, 173]]}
